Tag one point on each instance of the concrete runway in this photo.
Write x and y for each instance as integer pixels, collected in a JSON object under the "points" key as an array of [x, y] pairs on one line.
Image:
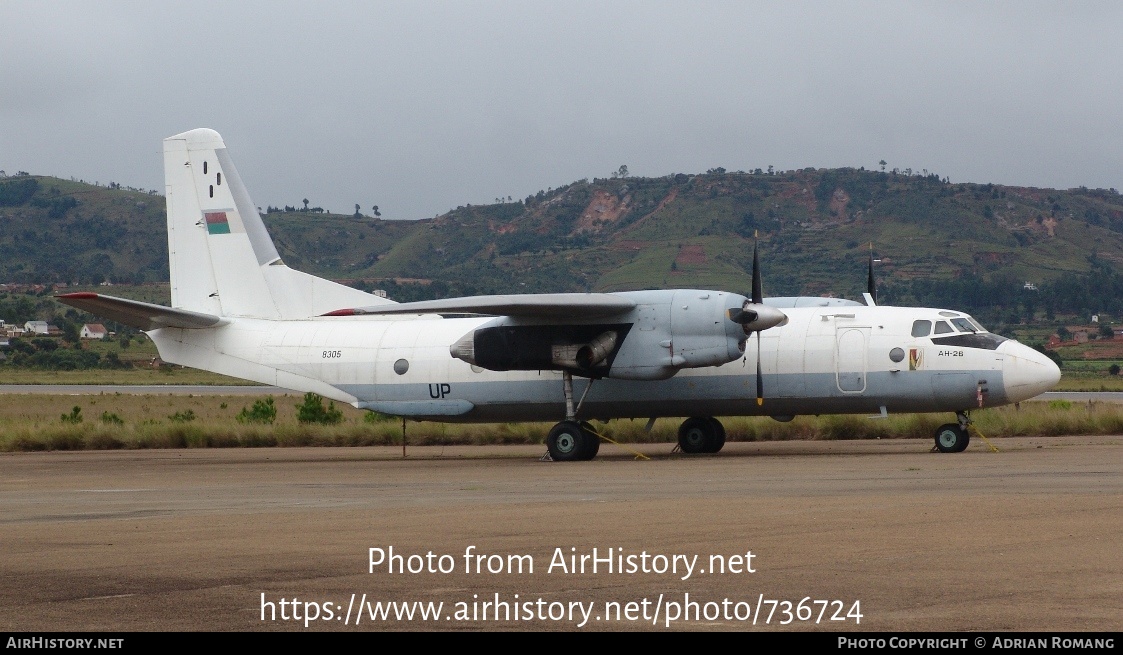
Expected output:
{"points": [[1027, 539]]}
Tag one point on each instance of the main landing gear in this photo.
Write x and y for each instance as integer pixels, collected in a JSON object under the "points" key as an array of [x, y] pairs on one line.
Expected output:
{"points": [[954, 437], [570, 441], [701, 434], [574, 441]]}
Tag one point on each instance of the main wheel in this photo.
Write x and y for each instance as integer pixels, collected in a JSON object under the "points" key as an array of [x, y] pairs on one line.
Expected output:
{"points": [[593, 443], [697, 435], [950, 438], [568, 442], [719, 436], [966, 440]]}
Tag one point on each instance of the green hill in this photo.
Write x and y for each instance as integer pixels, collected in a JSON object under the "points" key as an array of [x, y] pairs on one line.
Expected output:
{"points": [[964, 245]]}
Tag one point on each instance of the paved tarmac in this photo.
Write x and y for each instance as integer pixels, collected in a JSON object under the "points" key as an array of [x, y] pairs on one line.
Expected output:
{"points": [[1026, 539]]}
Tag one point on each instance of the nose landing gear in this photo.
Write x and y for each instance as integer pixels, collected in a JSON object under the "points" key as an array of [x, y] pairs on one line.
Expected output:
{"points": [[954, 437]]}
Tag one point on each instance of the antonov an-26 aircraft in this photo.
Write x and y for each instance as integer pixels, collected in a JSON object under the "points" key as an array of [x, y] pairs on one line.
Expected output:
{"points": [[237, 309]]}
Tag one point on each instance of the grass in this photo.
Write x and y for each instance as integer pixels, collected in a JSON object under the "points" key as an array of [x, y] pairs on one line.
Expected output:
{"points": [[1088, 379], [147, 375], [115, 421]]}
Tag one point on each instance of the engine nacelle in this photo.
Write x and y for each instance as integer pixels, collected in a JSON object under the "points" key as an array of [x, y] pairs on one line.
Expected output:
{"points": [[681, 329], [667, 331]]}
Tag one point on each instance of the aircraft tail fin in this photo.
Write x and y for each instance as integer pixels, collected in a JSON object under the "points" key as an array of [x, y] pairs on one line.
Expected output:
{"points": [[222, 260]]}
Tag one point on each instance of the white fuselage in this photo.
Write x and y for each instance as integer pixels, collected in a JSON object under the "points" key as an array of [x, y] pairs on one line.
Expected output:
{"points": [[842, 359]]}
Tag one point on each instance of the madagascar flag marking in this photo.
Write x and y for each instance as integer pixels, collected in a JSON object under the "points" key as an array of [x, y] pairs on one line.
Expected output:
{"points": [[217, 223]]}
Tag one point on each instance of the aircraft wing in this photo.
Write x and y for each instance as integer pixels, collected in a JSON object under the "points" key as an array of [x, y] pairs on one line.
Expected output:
{"points": [[542, 305], [141, 315]]}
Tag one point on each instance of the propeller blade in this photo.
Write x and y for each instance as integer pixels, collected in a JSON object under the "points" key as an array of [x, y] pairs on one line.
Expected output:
{"points": [[759, 374], [758, 294], [754, 315]]}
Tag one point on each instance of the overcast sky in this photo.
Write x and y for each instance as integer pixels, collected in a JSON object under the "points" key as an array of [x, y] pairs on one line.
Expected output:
{"points": [[419, 107]]}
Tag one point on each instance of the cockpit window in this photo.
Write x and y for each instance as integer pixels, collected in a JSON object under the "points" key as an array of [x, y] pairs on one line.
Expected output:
{"points": [[942, 327], [921, 328], [976, 324], [964, 325]]}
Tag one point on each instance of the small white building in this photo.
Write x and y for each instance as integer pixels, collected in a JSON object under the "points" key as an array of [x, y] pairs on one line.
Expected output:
{"points": [[36, 327], [93, 331]]}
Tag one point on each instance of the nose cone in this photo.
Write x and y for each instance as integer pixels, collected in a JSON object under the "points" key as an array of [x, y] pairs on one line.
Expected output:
{"points": [[1025, 372]]}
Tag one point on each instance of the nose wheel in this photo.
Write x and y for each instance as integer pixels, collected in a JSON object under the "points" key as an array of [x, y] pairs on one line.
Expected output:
{"points": [[954, 437]]}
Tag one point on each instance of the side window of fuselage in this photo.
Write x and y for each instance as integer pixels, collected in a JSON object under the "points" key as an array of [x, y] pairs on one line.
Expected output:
{"points": [[942, 327], [921, 328]]}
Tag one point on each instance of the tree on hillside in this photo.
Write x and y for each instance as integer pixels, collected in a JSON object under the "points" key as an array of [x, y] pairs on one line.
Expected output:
{"points": [[621, 172], [376, 212], [17, 192], [358, 214], [305, 204]]}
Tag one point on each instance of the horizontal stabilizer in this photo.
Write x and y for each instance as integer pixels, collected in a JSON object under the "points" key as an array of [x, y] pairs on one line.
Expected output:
{"points": [[141, 315], [544, 305]]}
